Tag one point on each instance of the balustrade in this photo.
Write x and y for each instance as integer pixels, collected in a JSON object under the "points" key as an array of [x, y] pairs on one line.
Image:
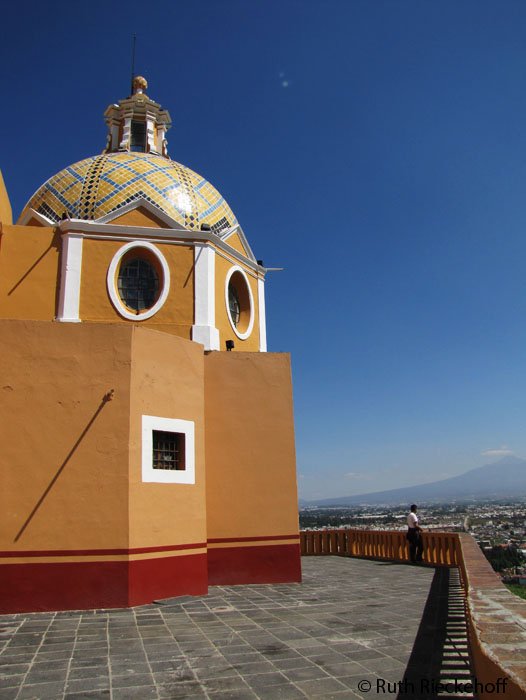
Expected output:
{"points": [[440, 548]]}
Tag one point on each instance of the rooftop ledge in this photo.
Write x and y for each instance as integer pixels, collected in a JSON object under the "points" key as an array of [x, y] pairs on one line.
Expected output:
{"points": [[496, 617]]}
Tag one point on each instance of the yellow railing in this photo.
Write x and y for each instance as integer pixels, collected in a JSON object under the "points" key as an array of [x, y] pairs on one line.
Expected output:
{"points": [[440, 548]]}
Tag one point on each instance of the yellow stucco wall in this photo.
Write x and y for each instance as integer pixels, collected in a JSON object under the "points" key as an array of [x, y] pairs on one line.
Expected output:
{"points": [[250, 453], [235, 242], [167, 381], [6, 213], [222, 321], [139, 217], [64, 450], [176, 316], [29, 272]]}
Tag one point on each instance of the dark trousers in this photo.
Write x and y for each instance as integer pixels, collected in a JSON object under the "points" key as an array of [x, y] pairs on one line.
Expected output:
{"points": [[414, 537]]}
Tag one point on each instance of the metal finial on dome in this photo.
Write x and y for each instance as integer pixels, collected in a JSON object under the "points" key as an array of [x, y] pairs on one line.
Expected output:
{"points": [[139, 85]]}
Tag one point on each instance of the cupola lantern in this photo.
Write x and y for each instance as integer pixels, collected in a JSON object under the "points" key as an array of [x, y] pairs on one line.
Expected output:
{"points": [[137, 124]]}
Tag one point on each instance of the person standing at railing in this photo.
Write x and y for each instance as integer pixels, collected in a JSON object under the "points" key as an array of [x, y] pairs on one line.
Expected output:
{"points": [[414, 536]]}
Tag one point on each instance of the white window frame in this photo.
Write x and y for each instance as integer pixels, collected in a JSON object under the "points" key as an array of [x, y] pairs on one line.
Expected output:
{"points": [[169, 425], [246, 334], [111, 281]]}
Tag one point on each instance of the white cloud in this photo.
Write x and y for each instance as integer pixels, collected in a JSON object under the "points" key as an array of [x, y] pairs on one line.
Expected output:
{"points": [[357, 475], [502, 451]]}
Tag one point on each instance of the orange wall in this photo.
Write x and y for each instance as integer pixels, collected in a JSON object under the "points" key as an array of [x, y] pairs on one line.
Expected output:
{"points": [[176, 316], [53, 379], [222, 321], [250, 453], [138, 217], [6, 213], [167, 381], [235, 241], [29, 272]]}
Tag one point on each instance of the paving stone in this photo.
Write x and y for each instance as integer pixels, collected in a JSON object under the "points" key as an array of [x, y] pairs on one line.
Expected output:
{"points": [[182, 690], [82, 672], [320, 686], [98, 683], [174, 676], [124, 669], [9, 693], [137, 679], [46, 674], [265, 680], [307, 673], [280, 692], [88, 695], [236, 694], [212, 685], [136, 693], [41, 691]]}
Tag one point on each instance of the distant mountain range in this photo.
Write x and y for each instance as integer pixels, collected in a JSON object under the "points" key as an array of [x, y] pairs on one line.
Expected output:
{"points": [[503, 479]]}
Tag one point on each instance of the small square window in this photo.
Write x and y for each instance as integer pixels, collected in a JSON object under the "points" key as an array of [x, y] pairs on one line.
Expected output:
{"points": [[168, 450]]}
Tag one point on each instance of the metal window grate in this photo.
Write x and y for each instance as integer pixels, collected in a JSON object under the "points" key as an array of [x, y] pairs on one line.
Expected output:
{"points": [[168, 450], [138, 284], [138, 136], [233, 304]]}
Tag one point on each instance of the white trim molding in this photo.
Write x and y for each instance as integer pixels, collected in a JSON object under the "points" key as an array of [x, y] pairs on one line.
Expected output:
{"points": [[262, 316], [70, 275], [169, 425], [204, 330], [237, 229], [246, 334], [141, 203], [98, 229], [111, 281]]}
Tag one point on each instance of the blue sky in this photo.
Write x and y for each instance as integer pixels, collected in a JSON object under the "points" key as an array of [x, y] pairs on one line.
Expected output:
{"points": [[376, 150]]}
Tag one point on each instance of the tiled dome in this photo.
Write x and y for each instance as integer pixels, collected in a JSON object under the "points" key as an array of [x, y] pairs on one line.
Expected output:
{"points": [[97, 186]]}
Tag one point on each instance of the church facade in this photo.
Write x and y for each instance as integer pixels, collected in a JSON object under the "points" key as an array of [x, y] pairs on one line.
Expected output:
{"points": [[147, 435]]}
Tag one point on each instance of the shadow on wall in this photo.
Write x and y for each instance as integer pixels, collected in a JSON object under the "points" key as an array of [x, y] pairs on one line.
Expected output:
{"points": [[107, 397]]}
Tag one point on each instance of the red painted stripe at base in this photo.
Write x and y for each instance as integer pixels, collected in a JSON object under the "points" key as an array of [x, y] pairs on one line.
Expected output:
{"points": [[84, 585], [167, 577], [279, 563]]}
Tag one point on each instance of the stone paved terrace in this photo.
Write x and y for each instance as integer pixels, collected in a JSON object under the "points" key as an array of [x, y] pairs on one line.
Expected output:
{"points": [[352, 625]]}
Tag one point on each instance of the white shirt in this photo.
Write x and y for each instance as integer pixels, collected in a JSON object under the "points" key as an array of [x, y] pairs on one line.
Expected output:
{"points": [[412, 520]]}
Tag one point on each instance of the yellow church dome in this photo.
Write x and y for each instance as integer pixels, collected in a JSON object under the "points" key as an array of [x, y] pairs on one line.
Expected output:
{"points": [[97, 186]]}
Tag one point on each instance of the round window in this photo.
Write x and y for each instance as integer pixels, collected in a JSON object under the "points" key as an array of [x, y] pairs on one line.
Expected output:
{"points": [[138, 281], [239, 302]]}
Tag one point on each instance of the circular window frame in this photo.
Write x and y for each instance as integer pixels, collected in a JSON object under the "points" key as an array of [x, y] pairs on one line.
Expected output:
{"points": [[250, 326], [111, 281]]}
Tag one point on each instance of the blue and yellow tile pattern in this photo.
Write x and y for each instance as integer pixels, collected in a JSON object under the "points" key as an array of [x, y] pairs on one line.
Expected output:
{"points": [[103, 184]]}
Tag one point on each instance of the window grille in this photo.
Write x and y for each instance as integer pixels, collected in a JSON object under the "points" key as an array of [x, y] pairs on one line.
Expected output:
{"points": [[168, 450], [233, 304], [138, 284], [138, 136]]}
